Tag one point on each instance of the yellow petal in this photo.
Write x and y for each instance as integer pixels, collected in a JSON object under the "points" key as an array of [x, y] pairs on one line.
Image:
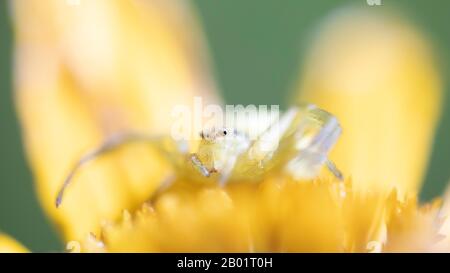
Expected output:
{"points": [[444, 229], [86, 71], [375, 72], [9, 245], [276, 215], [415, 229]]}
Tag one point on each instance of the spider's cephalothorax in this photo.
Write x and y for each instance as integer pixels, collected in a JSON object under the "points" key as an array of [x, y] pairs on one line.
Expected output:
{"points": [[297, 144]]}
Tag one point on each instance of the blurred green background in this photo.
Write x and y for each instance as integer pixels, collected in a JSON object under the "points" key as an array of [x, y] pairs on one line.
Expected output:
{"points": [[256, 46]]}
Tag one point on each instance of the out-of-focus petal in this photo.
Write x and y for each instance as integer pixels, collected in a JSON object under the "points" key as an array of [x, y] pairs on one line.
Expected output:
{"points": [[9, 245], [376, 73], [444, 229], [89, 70], [414, 228]]}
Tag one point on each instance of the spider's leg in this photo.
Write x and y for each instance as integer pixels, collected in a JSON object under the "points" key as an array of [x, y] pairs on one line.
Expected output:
{"points": [[110, 144], [334, 170], [199, 165]]}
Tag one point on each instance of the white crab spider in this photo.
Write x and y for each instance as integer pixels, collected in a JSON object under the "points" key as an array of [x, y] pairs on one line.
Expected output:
{"points": [[297, 144]]}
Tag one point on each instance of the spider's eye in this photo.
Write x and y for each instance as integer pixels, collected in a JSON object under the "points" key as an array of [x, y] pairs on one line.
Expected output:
{"points": [[224, 132]]}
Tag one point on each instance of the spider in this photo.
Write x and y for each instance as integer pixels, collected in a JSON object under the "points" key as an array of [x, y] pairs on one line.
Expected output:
{"points": [[298, 143]]}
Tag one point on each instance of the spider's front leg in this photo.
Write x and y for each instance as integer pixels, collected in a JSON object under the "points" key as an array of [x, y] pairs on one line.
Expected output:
{"points": [[110, 144], [198, 164]]}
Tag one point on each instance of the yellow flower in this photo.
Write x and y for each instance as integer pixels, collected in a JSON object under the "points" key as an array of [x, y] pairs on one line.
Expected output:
{"points": [[8, 245], [124, 64], [88, 71], [377, 75]]}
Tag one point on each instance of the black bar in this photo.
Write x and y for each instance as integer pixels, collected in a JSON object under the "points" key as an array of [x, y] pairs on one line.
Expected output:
{"points": [[246, 262]]}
